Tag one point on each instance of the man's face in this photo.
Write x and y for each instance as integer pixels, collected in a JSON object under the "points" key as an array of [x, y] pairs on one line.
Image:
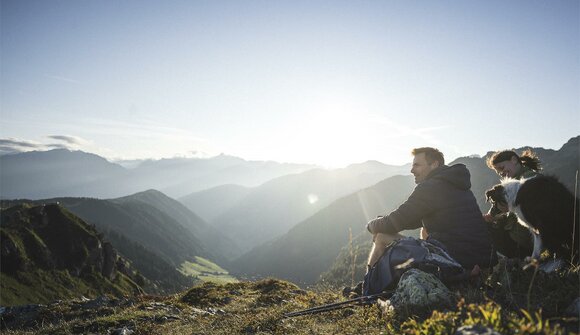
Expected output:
{"points": [[421, 168]]}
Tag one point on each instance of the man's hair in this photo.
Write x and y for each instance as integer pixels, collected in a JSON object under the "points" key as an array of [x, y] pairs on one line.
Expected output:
{"points": [[528, 159], [431, 155]]}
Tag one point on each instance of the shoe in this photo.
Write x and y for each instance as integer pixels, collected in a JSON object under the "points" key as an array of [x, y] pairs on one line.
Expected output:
{"points": [[353, 292]]}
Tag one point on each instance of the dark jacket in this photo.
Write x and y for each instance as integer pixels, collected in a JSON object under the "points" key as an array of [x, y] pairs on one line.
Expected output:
{"points": [[444, 204]]}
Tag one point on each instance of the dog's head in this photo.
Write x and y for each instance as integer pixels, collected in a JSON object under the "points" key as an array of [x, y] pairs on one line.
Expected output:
{"points": [[496, 195], [505, 194]]}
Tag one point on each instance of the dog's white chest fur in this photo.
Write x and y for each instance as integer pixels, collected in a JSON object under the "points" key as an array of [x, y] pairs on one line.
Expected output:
{"points": [[511, 187]]}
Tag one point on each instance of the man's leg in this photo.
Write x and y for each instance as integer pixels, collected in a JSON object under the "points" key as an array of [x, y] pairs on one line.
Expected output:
{"points": [[380, 243]]}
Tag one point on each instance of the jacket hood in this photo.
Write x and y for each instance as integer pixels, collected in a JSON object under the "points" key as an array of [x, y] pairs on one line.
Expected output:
{"points": [[457, 175]]}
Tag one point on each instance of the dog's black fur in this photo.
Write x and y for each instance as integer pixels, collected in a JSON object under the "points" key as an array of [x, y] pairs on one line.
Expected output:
{"points": [[546, 207]]}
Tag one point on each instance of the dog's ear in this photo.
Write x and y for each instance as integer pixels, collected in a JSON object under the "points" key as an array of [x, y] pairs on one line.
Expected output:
{"points": [[495, 195]]}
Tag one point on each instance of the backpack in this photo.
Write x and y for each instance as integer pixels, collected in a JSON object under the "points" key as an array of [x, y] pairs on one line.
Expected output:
{"points": [[426, 255]]}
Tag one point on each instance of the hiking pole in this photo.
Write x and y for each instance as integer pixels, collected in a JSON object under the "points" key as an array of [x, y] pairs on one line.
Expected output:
{"points": [[338, 305], [318, 310]]}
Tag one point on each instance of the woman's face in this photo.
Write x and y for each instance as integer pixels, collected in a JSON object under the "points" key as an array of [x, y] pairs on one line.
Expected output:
{"points": [[507, 168]]}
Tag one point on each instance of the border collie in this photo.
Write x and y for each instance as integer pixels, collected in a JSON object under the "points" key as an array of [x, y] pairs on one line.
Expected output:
{"points": [[547, 208]]}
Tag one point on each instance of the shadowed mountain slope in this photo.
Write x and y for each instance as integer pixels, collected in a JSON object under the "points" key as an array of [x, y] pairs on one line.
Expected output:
{"points": [[216, 246], [48, 253]]}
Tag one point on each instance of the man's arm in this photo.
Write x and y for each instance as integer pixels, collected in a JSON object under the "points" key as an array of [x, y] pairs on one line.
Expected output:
{"points": [[407, 216]]}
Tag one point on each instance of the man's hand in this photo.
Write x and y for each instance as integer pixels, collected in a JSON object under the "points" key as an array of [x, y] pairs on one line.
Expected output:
{"points": [[374, 224]]}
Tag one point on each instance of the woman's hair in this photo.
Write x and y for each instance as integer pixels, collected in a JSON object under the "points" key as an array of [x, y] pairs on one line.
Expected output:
{"points": [[528, 159]]}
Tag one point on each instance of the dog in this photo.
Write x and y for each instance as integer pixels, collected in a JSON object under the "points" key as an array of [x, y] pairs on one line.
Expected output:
{"points": [[547, 208]]}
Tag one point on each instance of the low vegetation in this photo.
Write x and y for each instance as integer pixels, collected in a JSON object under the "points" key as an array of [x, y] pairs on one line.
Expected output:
{"points": [[259, 308]]}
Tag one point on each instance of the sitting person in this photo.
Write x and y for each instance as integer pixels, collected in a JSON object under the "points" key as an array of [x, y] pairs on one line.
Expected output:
{"points": [[443, 204], [509, 237]]}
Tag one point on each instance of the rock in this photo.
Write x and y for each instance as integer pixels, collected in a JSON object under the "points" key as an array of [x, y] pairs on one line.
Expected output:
{"points": [[418, 293], [99, 302], [109, 261], [475, 330], [214, 311], [552, 265], [121, 331]]}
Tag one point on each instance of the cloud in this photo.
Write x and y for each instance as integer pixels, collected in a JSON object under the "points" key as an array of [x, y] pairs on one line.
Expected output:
{"points": [[14, 145], [11, 142], [400, 130], [60, 78], [71, 140]]}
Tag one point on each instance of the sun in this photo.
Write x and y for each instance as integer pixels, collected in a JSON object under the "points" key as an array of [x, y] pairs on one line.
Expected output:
{"points": [[334, 137]]}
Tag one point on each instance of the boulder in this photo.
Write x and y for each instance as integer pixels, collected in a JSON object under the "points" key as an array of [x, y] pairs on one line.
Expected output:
{"points": [[418, 293]]}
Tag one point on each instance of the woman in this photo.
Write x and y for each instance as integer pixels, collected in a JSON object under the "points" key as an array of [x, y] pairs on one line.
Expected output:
{"points": [[509, 237]]}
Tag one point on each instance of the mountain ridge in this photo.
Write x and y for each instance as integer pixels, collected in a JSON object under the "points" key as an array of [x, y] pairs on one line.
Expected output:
{"points": [[65, 173]]}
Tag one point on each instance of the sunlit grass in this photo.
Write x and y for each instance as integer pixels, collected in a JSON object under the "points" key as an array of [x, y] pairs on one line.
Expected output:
{"points": [[259, 308], [206, 271]]}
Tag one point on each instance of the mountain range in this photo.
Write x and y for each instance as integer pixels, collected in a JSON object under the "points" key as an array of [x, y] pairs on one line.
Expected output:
{"points": [[258, 214], [64, 173], [294, 222]]}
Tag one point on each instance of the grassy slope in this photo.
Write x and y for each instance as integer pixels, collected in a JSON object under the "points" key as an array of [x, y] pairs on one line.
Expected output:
{"points": [[206, 271], [258, 308], [43, 286]]}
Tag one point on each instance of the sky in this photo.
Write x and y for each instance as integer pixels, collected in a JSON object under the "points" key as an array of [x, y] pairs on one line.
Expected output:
{"points": [[319, 82]]}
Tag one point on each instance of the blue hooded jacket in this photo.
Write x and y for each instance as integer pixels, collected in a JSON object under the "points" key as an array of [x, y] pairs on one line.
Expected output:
{"points": [[444, 204]]}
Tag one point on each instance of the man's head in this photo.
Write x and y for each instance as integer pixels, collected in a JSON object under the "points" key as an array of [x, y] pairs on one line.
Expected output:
{"points": [[425, 161]]}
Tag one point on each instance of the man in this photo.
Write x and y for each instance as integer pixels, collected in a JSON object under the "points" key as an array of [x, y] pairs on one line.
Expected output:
{"points": [[443, 205]]}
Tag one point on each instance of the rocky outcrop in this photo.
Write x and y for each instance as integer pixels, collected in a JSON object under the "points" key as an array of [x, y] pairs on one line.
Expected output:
{"points": [[109, 261], [49, 237], [47, 243]]}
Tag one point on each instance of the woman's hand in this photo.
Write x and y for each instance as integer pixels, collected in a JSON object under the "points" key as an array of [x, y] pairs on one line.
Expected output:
{"points": [[424, 233]]}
